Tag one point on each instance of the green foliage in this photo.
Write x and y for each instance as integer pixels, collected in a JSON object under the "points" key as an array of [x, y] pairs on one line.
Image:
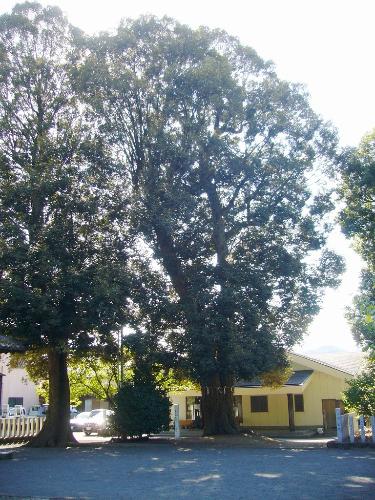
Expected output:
{"points": [[98, 377], [217, 152], [34, 362], [93, 374], [358, 221], [362, 314], [276, 378], [158, 178], [174, 379], [141, 407], [63, 234], [360, 395]]}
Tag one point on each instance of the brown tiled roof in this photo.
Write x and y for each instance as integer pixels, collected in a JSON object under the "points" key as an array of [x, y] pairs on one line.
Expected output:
{"points": [[8, 344]]}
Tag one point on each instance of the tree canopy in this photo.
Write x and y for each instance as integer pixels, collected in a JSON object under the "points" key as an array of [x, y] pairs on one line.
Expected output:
{"points": [[358, 221], [64, 244], [218, 155], [160, 178]]}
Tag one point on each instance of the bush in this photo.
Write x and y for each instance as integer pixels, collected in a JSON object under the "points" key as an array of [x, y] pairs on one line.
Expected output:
{"points": [[140, 407], [360, 394]]}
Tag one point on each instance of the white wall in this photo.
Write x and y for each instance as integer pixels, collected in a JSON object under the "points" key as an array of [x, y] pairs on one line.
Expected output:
{"points": [[16, 384]]}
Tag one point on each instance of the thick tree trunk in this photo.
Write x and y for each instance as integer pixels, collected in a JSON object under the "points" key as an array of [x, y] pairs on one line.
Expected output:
{"points": [[56, 431], [217, 408]]}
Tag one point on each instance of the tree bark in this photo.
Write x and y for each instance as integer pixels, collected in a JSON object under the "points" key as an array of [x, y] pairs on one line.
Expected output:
{"points": [[217, 397], [56, 431], [217, 408]]}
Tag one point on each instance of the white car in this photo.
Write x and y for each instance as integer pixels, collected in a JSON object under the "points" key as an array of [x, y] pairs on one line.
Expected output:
{"points": [[77, 423], [98, 422], [38, 410], [17, 411]]}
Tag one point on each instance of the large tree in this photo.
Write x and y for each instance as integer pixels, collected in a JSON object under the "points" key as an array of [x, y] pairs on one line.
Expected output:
{"points": [[64, 261], [358, 221], [221, 156]]}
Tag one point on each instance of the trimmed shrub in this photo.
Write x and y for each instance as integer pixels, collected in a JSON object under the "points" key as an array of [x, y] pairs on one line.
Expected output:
{"points": [[140, 407]]}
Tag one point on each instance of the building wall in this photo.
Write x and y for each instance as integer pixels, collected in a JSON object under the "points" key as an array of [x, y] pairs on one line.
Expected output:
{"points": [[320, 386], [180, 399], [16, 384], [277, 415], [94, 404]]}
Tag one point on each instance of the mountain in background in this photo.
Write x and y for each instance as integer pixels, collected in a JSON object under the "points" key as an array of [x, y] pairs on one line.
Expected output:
{"points": [[326, 349]]}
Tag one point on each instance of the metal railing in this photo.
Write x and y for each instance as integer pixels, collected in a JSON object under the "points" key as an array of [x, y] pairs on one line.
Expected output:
{"points": [[20, 427]]}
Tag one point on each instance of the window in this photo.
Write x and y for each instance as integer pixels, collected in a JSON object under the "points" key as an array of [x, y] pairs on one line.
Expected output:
{"points": [[298, 402], [259, 404], [193, 407], [15, 401]]}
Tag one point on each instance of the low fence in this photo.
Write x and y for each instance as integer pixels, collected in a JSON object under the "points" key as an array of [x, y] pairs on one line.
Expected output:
{"points": [[347, 425], [20, 427]]}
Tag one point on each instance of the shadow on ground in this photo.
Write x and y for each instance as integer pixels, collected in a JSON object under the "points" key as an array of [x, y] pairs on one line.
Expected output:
{"points": [[191, 468]]}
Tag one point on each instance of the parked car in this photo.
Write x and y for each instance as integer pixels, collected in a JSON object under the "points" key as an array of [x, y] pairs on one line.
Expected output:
{"points": [[38, 410], [17, 411], [77, 423], [98, 422]]}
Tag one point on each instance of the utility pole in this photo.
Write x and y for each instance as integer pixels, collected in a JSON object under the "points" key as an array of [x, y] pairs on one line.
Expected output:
{"points": [[121, 358]]}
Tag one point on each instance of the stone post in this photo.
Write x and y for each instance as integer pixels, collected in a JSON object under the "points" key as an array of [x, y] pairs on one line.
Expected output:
{"points": [[340, 436], [351, 427], [362, 428], [176, 418]]}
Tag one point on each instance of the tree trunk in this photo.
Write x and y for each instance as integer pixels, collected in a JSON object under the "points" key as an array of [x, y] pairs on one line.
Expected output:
{"points": [[56, 431], [217, 408]]}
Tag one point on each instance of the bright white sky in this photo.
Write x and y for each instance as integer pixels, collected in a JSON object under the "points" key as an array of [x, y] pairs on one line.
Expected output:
{"points": [[325, 44]]}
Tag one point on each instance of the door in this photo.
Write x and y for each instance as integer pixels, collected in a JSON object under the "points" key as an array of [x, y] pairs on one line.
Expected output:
{"points": [[329, 413], [237, 400]]}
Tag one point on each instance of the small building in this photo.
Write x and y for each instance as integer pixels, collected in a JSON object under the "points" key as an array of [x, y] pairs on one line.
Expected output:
{"points": [[307, 399], [15, 386], [91, 403]]}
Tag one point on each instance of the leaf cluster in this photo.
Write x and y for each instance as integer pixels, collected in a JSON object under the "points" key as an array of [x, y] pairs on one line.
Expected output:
{"points": [[358, 221], [141, 407], [161, 178], [219, 154], [360, 394]]}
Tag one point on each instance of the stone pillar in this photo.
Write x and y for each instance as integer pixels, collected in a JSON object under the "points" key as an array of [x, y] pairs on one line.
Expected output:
{"points": [[362, 428], [340, 433], [351, 427], [176, 419]]}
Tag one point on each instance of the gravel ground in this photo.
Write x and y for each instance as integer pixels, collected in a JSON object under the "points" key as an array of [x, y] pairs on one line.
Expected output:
{"points": [[191, 468]]}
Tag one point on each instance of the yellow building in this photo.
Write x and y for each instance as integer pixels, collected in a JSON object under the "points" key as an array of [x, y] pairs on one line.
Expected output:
{"points": [[307, 400]]}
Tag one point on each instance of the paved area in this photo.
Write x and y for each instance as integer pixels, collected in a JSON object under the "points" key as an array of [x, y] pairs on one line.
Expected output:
{"points": [[189, 469]]}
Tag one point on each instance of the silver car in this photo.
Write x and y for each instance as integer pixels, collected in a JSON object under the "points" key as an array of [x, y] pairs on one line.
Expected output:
{"points": [[98, 422], [77, 423]]}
